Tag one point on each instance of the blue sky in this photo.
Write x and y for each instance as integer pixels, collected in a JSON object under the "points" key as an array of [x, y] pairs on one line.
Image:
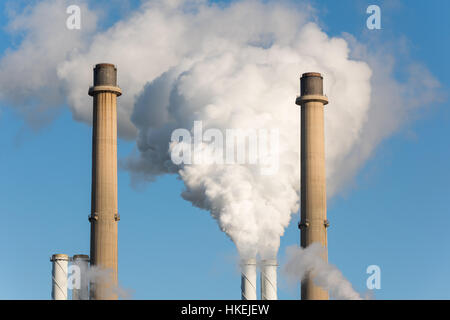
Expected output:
{"points": [[395, 214]]}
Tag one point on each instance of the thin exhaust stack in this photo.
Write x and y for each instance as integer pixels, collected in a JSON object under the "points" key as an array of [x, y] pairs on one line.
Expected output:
{"points": [[59, 276], [248, 279], [269, 280], [81, 293]]}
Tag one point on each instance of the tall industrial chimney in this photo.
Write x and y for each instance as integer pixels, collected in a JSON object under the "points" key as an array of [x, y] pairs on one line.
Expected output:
{"points": [[59, 276], [104, 215], [269, 280], [81, 293], [248, 279], [314, 223]]}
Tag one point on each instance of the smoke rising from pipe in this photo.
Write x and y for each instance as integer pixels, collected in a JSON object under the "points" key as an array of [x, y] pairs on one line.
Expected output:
{"points": [[231, 66], [96, 274], [246, 78], [302, 262]]}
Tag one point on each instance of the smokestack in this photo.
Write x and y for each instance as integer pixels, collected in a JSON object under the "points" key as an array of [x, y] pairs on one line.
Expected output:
{"points": [[314, 223], [269, 280], [82, 293], [248, 279], [104, 215], [59, 276]]}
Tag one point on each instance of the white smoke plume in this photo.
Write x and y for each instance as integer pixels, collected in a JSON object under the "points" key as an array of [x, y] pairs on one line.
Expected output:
{"points": [[246, 76], [232, 66], [302, 262], [96, 274], [29, 79]]}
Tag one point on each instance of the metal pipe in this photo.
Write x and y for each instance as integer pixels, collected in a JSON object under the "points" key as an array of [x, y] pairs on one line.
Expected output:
{"points": [[269, 280], [82, 292], [248, 279], [59, 276]]}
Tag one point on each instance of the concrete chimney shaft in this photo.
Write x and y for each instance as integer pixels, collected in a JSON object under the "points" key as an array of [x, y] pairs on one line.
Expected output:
{"points": [[269, 280], [82, 261], [248, 279], [314, 223], [59, 276], [104, 215]]}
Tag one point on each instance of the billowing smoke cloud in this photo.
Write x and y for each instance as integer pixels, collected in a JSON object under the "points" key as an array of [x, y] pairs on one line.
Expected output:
{"points": [[309, 262], [29, 79], [246, 77], [233, 66]]}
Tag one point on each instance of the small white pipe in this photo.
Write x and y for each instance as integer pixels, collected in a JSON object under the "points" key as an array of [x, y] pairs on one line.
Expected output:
{"points": [[82, 292], [248, 279], [269, 280], [59, 276]]}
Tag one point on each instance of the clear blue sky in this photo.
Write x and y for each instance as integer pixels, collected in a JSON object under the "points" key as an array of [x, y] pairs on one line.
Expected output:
{"points": [[396, 215]]}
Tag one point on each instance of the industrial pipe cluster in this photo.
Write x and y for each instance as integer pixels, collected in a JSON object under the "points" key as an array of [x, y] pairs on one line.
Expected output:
{"points": [[75, 277], [104, 214]]}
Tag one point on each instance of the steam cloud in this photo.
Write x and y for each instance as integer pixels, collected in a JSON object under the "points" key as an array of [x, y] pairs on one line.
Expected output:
{"points": [[95, 275], [230, 66], [302, 262]]}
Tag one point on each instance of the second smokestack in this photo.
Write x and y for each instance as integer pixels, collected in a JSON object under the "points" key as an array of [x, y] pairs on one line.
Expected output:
{"points": [[269, 280], [81, 293], [104, 213], [248, 279], [314, 223]]}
